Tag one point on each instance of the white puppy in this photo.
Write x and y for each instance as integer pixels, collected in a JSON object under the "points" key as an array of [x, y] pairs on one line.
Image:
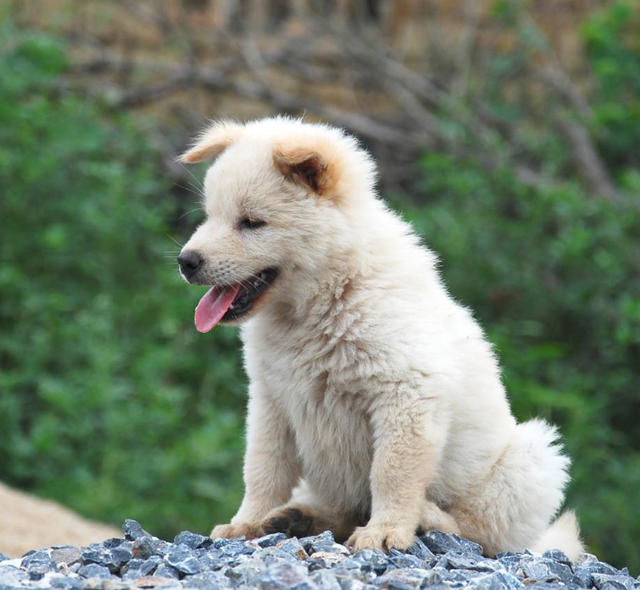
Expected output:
{"points": [[375, 406]]}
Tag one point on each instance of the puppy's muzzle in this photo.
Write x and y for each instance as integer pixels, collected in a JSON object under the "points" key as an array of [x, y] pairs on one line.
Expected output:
{"points": [[190, 263]]}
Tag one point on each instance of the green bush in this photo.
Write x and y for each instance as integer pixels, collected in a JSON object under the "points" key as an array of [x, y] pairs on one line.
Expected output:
{"points": [[111, 401], [613, 48]]}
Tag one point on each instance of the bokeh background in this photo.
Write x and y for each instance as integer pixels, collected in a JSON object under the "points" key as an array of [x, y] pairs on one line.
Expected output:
{"points": [[507, 131]]}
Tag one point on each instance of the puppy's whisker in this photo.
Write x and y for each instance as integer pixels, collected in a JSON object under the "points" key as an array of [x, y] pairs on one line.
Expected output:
{"points": [[189, 212], [176, 241], [198, 181], [190, 189], [199, 189]]}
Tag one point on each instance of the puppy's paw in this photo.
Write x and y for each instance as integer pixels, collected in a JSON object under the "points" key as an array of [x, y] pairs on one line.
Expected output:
{"points": [[383, 536], [232, 531], [293, 521]]}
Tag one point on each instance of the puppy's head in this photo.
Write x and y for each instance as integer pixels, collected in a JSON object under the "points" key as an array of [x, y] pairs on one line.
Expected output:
{"points": [[279, 198]]}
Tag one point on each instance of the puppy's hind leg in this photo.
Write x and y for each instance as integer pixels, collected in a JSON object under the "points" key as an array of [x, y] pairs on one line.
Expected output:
{"points": [[433, 518], [512, 507]]}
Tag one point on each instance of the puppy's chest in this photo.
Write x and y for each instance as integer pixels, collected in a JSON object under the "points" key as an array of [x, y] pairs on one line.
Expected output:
{"points": [[312, 386], [327, 407]]}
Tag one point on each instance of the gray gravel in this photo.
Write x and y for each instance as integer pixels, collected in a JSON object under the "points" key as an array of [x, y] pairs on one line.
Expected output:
{"points": [[275, 562]]}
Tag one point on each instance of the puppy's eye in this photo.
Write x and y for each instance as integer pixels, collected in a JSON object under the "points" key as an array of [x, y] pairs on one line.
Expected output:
{"points": [[248, 223]]}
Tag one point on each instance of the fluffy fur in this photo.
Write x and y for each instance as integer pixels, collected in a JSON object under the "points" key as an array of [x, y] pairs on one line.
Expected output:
{"points": [[375, 406]]}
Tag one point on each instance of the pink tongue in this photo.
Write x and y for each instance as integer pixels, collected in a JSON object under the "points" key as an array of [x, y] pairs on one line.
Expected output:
{"points": [[213, 306]]}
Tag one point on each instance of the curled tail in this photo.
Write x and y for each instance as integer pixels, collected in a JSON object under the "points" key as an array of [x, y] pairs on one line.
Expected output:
{"points": [[563, 534]]}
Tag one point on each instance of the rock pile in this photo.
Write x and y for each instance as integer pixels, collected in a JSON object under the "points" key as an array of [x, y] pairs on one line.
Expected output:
{"points": [[436, 561]]}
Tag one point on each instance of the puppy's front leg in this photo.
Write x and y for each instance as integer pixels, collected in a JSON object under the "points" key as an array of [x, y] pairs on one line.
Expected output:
{"points": [[271, 468], [409, 430]]}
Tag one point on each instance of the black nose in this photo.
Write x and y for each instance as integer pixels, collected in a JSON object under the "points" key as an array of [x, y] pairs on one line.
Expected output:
{"points": [[189, 263]]}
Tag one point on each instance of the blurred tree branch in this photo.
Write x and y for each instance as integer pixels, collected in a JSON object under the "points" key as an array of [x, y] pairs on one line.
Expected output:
{"points": [[343, 71]]}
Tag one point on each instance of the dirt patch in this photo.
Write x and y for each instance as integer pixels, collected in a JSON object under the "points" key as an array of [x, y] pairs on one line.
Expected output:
{"points": [[27, 522]]}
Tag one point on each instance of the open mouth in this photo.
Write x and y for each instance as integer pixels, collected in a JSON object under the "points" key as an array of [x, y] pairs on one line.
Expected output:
{"points": [[230, 302]]}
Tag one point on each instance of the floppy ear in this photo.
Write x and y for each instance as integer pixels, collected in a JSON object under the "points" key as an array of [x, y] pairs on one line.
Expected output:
{"points": [[212, 142], [303, 166]]}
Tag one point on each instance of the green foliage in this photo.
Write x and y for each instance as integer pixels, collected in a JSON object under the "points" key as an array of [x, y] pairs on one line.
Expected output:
{"points": [[613, 46], [111, 401]]}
